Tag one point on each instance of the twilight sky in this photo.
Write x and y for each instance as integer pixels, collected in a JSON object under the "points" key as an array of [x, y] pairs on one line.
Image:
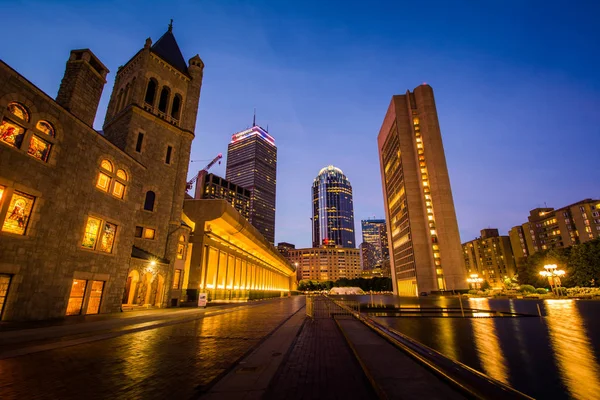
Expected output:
{"points": [[517, 88]]}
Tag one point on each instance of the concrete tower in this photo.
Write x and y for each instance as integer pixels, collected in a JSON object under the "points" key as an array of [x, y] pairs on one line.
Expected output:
{"points": [[424, 242]]}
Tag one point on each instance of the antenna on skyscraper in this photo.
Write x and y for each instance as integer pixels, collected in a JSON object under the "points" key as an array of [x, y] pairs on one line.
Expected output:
{"points": [[254, 119]]}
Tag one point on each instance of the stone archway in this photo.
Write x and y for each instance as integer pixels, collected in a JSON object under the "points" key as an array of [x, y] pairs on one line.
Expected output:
{"points": [[160, 290], [131, 286]]}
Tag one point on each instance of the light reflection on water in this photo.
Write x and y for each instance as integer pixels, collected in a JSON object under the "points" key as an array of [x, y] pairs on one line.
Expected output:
{"points": [[578, 366], [554, 357], [488, 344]]}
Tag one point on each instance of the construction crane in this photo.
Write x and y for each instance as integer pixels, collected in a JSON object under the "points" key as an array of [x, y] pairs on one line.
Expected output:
{"points": [[204, 171]]}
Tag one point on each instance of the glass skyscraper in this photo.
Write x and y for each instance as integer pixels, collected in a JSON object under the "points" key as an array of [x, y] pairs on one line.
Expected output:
{"points": [[252, 164], [374, 232], [333, 210]]}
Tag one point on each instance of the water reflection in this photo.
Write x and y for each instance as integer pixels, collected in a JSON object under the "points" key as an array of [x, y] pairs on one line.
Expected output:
{"points": [[487, 343], [578, 367]]}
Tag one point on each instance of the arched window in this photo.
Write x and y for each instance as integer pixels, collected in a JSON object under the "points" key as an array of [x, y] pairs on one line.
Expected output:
{"points": [[149, 202], [164, 99], [45, 127], [19, 111], [176, 107], [151, 92], [104, 176]]}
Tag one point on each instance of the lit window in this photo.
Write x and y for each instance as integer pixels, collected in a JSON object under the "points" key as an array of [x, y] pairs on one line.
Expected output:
{"points": [[18, 111], [176, 279], [76, 297], [1, 193], [107, 165], [18, 213], [149, 233], [432, 232], [99, 235], [92, 228], [103, 181], [118, 190], [39, 148], [122, 175], [45, 127], [11, 133], [95, 297]]}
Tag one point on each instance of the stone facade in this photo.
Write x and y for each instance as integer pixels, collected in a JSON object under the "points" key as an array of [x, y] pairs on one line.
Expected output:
{"points": [[46, 262], [326, 263]]}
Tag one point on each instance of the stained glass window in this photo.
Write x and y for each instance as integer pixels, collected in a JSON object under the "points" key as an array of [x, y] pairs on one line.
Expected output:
{"points": [[107, 238], [39, 148], [18, 213], [11, 133], [95, 297], [76, 297], [105, 164], [45, 127], [118, 190], [122, 174], [180, 250], [18, 111], [90, 236], [103, 181]]}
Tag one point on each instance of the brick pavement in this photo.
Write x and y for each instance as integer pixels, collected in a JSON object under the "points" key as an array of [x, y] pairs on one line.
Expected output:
{"points": [[320, 365], [175, 361]]}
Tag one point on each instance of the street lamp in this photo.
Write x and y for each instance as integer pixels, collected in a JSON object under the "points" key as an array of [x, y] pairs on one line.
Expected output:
{"points": [[475, 280], [553, 274]]}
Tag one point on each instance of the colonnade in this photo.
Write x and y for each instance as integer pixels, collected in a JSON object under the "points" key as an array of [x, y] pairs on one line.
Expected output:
{"points": [[222, 270]]}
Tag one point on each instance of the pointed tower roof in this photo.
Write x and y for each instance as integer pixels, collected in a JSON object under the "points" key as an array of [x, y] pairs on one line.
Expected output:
{"points": [[167, 48]]}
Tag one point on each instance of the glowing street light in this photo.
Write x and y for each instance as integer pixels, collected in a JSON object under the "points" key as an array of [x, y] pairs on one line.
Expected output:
{"points": [[475, 280], [553, 274]]}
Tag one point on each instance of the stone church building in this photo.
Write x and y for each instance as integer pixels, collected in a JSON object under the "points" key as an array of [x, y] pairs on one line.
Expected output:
{"points": [[92, 221]]}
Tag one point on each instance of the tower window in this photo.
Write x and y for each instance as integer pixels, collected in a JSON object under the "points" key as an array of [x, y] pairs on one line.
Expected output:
{"points": [[164, 99], [149, 202], [175, 108], [168, 157], [151, 92], [140, 141]]}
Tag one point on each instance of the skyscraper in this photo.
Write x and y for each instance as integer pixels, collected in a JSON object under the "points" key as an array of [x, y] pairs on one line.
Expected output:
{"points": [[252, 164], [374, 232], [333, 210], [425, 248]]}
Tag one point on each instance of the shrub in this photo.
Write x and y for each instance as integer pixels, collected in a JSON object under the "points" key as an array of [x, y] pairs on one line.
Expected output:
{"points": [[472, 291], [527, 289], [541, 291]]}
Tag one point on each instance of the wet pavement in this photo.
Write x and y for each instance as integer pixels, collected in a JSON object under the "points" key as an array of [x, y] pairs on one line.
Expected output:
{"points": [[178, 360]]}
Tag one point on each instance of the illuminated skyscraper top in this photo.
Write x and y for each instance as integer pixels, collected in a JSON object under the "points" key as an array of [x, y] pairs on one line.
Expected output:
{"points": [[333, 210], [252, 164]]}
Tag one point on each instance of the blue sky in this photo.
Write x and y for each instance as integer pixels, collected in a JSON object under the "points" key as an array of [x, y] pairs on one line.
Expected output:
{"points": [[516, 85]]}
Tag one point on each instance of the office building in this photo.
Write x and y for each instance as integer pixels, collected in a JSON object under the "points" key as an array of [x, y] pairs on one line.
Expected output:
{"points": [[368, 256], [491, 257], [326, 263], [548, 228], [252, 164], [284, 248], [211, 186], [374, 232], [425, 248], [333, 210]]}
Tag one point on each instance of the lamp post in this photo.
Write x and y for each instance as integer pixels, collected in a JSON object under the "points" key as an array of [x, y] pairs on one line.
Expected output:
{"points": [[553, 274], [475, 280]]}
